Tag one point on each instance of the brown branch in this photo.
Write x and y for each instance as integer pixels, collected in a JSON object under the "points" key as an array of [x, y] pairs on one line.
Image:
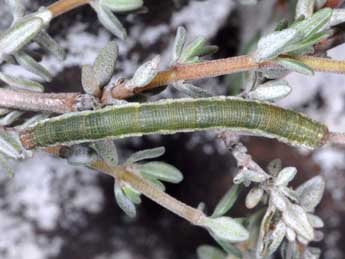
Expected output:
{"points": [[63, 6], [33, 101], [218, 67]]}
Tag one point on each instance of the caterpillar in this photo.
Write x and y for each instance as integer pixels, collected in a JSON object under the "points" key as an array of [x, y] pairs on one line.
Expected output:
{"points": [[181, 115]]}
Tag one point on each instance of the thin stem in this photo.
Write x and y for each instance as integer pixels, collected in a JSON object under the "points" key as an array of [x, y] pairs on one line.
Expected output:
{"points": [[323, 64], [336, 138], [63, 6], [179, 208], [33, 101]]}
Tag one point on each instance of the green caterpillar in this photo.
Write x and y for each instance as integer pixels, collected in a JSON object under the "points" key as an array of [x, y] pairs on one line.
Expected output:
{"points": [[172, 116]]}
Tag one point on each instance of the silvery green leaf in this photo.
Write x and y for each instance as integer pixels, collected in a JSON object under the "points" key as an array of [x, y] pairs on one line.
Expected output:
{"points": [[80, 155], [306, 46], [239, 177], [132, 194], [11, 117], [295, 217], [289, 193], [290, 235], [122, 5], [145, 73], [104, 65], [32, 65], [310, 193], [295, 65], [49, 44], [210, 252], [315, 221], [313, 24], [320, 3], [106, 149], [178, 43], [17, 9], [276, 237], [89, 81], [156, 183], [265, 226], [10, 144], [274, 73], [109, 20], [304, 8], [278, 199], [21, 83], [191, 90], [20, 34], [146, 154], [232, 251], [161, 171], [124, 203], [272, 45], [254, 197], [194, 49], [33, 120], [227, 201], [274, 167], [312, 253], [338, 16], [285, 176], [225, 228], [255, 176], [271, 91]]}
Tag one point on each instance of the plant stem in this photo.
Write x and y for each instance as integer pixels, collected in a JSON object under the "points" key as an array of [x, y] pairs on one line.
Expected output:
{"points": [[179, 208], [33, 101], [219, 67], [63, 6]]}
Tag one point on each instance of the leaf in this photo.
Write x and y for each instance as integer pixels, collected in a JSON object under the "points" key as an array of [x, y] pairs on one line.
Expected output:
{"points": [[254, 197], [11, 117], [271, 91], [285, 176], [89, 81], [32, 65], [276, 237], [191, 90], [295, 217], [227, 201], [255, 176], [18, 35], [310, 193], [122, 5], [109, 20], [10, 144], [272, 45], [132, 194], [295, 65], [338, 17], [196, 49], [290, 250], [124, 203], [145, 73], [225, 228], [265, 227], [21, 83], [155, 183], [210, 252], [179, 42], [104, 65], [304, 8], [315, 221], [274, 167], [80, 155], [49, 44], [278, 200], [161, 171], [146, 154], [107, 151], [313, 24]]}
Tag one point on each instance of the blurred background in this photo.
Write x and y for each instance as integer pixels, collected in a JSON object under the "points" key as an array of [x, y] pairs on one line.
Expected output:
{"points": [[52, 210]]}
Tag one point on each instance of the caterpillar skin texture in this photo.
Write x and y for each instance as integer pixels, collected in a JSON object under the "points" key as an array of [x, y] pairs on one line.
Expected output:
{"points": [[172, 116]]}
